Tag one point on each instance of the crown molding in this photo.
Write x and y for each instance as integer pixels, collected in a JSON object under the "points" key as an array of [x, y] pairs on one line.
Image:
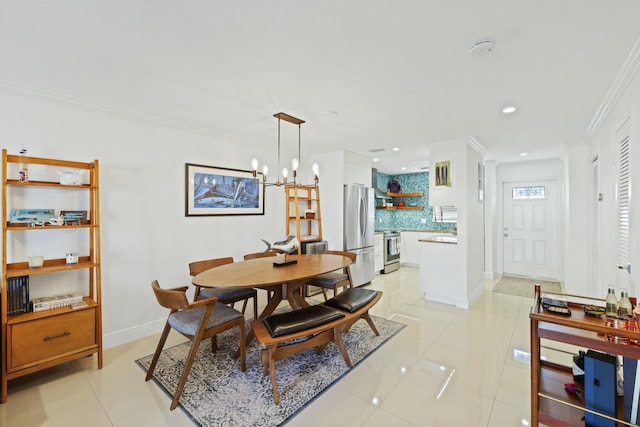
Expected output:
{"points": [[92, 105], [620, 84], [476, 145]]}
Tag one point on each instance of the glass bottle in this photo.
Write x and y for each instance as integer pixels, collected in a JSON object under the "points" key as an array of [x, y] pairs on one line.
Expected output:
{"points": [[23, 165], [624, 307], [611, 303]]}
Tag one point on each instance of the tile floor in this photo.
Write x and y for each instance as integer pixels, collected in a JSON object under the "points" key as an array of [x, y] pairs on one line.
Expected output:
{"points": [[448, 367]]}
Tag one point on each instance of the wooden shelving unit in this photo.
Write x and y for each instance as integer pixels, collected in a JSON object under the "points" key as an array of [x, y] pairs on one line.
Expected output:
{"points": [[30, 341], [299, 200], [550, 403], [402, 208]]}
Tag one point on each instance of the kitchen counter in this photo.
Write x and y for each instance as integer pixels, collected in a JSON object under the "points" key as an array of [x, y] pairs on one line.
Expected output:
{"points": [[421, 230], [440, 238]]}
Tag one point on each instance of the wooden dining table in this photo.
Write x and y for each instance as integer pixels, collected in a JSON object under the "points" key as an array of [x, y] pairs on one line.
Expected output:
{"points": [[283, 282]]}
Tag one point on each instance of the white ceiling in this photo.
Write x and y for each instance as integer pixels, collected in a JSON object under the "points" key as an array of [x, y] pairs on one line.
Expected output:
{"points": [[365, 74]]}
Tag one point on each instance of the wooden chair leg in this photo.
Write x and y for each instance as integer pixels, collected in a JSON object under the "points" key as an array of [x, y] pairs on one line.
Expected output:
{"points": [[338, 332], [272, 370], [156, 355], [255, 306], [214, 344], [185, 372], [371, 324], [243, 346], [264, 358], [244, 305]]}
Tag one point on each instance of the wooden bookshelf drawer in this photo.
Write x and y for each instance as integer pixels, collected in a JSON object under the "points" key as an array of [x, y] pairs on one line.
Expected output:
{"points": [[39, 340]]}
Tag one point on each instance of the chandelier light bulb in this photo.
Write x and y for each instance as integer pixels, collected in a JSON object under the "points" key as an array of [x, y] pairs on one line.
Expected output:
{"points": [[281, 180], [315, 169]]}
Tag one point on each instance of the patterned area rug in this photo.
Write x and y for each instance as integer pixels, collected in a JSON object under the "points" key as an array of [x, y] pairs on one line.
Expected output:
{"points": [[218, 393], [523, 287]]}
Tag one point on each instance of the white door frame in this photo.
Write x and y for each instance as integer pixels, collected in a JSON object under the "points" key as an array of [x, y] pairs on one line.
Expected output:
{"points": [[549, 169], [533, 212]]}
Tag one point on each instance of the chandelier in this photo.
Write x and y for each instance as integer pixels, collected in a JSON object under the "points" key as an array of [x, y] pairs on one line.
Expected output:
{"points": [[294, 163]]}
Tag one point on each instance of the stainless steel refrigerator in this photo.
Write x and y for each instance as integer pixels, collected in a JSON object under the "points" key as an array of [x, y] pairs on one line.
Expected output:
{"points": [[358, 231]]}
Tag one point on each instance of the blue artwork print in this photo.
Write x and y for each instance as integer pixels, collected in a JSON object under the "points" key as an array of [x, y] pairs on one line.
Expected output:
{"points": [[225, 191]]}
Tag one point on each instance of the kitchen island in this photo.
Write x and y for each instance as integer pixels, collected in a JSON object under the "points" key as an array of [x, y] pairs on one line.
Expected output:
{"points": [[442, 269]]}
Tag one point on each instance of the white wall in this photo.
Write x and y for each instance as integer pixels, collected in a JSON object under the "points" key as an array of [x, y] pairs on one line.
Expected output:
{"points": [[473, 236], [331, 198], [490, 220], [340, 168], [463, 194], [145, 234], [576, 200], [603, 146]]}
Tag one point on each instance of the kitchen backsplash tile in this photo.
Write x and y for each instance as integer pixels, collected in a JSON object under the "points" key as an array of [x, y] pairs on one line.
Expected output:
{"points": [[407, 219]]}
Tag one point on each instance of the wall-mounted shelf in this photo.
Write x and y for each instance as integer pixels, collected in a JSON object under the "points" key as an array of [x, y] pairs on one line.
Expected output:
{"points": [[401, 208], [418, 194]]}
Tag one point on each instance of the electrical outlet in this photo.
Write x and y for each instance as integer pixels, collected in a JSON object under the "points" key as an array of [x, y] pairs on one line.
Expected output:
{"points": [[423, 220]]}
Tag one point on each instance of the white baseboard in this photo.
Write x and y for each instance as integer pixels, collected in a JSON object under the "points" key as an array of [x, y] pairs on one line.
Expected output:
{"points": [[439, 298], [475, 295], [490, 275], [131, 334]]}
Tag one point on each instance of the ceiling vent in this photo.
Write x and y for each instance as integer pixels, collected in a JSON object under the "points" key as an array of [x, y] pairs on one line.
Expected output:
{"points": [[376, 150], [482, 47]]}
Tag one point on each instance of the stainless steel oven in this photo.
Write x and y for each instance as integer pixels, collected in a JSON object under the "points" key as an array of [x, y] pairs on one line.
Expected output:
{"points": [[391, 251]]}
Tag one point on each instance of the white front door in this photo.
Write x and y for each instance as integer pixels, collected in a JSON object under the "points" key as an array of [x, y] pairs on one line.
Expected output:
{"points": [[530, 241]]}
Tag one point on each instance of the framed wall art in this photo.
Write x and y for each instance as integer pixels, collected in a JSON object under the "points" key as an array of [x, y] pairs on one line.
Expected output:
{"points": [[212, 190], [26, 216], [443, 173]]}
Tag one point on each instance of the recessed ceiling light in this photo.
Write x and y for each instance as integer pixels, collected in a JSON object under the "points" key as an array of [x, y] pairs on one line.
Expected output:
{"points": [[376, 159], [396, 149], [509, 109], [524, 154], [404, 168]]}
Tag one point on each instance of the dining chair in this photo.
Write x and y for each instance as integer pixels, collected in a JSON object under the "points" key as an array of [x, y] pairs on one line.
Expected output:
{"points": [[335, 280], [197, 321], [255, 255], [224, 295], [262, 254]]}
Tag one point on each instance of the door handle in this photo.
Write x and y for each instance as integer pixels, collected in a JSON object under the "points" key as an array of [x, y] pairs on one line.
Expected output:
{"points": [[623, 267]]}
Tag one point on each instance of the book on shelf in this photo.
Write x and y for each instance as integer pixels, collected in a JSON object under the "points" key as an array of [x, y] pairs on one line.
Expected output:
{"points": [[77, 305], [17, 295], [55, 301]]}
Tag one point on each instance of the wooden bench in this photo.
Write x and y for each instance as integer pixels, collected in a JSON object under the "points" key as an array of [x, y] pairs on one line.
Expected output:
{"points": [[286, 334]]}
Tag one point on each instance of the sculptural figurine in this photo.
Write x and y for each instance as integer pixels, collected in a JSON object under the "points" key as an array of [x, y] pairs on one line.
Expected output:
{"points": [[57, 221], [287, 246], [70, 177]]}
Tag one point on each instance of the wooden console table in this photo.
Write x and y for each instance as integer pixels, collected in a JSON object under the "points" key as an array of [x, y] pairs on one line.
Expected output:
{"points": [[551, 404]]}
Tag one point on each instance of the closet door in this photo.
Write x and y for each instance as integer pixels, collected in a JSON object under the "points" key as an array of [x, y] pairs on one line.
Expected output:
{"points": [[594, 230], [623, 199]]}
